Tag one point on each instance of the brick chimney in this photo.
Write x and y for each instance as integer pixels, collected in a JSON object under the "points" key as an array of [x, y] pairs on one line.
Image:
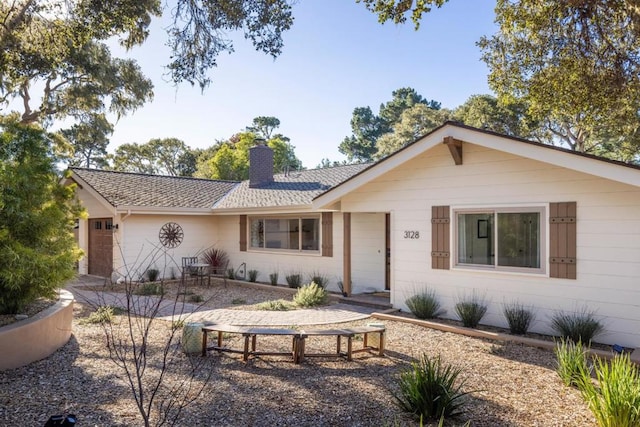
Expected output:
{"points": [[260, 164]]}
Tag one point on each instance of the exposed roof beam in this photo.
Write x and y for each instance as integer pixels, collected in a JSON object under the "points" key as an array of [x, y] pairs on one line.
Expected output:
{"points": [[455, 147]]}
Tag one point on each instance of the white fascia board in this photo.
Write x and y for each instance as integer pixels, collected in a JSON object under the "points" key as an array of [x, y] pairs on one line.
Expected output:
{"points": [[293, 209], [567, 160], [150, 210]]}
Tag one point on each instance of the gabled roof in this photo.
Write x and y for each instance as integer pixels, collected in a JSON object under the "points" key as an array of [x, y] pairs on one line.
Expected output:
{"points": [[287, 190], [121, 189], [562, 157]]}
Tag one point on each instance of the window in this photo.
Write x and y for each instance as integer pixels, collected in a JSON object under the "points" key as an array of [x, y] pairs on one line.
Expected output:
{"points": [[291, 234], [505, 239]]}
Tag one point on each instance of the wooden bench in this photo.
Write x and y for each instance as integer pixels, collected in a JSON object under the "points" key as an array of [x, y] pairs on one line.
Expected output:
{"points": [[248, 334], [338, 333], [349, 334], [365, 331], [298, 338]]}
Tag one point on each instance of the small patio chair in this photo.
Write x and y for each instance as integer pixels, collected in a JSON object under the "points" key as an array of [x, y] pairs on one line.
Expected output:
{"points": [[187, 270]]}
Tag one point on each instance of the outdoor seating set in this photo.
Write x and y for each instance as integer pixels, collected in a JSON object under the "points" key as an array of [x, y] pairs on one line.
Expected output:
{"points": [[192, 267], [298, 339]]}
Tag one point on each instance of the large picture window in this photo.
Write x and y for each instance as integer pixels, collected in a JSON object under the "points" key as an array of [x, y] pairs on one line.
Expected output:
{"points": [[285, 233], [508, 239]]}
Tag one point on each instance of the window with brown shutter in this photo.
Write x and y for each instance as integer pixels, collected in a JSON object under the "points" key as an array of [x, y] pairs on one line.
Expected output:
{"points": [[243, 233], [440, 251], [562, 240], [327, 234]]}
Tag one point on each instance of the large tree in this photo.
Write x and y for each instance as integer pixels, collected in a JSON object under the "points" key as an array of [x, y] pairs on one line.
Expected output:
{"points": [[367, 127], [414, 122], [89, 140], [486, 112], [231, 158], [576, 64], [159, 156]]}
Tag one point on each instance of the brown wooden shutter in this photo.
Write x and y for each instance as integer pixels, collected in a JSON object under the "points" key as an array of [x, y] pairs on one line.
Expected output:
{"points": [[243, 233], [562, 240], [440, 223], [327, 234]]}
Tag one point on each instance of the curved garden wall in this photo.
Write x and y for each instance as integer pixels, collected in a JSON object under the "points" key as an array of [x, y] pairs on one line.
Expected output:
{"points": [[37, 337]]}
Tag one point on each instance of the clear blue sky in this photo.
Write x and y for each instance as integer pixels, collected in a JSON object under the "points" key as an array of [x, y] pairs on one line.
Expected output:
{"points": [[336, 57]]}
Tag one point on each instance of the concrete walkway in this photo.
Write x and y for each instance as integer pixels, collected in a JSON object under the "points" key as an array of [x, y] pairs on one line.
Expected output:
{"points": [[169, 309]]}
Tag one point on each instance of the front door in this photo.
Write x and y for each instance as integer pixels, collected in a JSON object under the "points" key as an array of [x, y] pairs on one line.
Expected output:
{"points": [[101, 246]]}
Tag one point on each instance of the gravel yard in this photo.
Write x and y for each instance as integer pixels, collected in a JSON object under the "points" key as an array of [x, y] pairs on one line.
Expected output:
{"points": [[509, 384]]}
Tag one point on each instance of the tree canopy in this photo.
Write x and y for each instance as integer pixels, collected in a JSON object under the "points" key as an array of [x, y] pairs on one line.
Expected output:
{"points": [[576, 64], [367, 127], [159, 156]]}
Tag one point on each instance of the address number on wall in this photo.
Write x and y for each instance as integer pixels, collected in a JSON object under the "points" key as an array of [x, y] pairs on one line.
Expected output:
{"points": [[411, 234]]}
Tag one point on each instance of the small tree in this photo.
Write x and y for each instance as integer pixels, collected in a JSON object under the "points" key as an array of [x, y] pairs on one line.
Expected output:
{"points": [[37, 248], [162, 380]]}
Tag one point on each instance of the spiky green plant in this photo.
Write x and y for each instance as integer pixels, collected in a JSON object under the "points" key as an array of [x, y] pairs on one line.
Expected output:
{"points": [[253, 275], [431, 389], [320, 279], [614, 399], [424, 305], [519, 317], [294, 280], [273, 278], [572, 362], [471, 311], [310, 295], [581, 325], [153, 274]]}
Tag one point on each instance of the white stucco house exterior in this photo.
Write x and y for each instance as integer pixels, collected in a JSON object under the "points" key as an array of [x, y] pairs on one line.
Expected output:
{"points": [[458, 211]]}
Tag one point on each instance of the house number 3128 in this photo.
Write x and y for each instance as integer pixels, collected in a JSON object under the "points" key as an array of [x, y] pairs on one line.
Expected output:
{"points": [[411, 234]]}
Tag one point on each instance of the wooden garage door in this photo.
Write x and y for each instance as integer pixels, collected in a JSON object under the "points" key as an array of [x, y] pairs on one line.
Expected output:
{"points": [[101, 246]]}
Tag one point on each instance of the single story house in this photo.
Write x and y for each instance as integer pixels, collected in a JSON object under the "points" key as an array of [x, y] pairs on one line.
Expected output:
{"points": [[460, 211]]}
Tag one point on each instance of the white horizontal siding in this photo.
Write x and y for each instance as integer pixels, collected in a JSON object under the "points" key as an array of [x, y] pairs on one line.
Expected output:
{"points": [[137, 245], [608, 235]]}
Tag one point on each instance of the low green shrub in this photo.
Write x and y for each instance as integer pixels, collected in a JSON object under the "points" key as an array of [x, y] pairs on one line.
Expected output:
{"points": [[424, 305], [149, 289], [615, 399], [319, 279], [103, 314], [253, 275], [572, 362], [579, 326], [153, 274], [519, 317], [231, 273], [431, 389], [238, 301], [196, 298], [177, 324], [310, 295], [275, 305], [294, 280], [471, 311], [273, 279]]}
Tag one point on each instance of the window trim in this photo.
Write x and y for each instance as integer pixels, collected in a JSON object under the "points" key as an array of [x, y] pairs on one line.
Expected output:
{"points": [[542, 209], [300, 251]]}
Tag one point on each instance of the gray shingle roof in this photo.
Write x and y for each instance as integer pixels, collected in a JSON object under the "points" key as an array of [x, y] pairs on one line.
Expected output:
{"points": [[134, 189], [295, 188]]}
